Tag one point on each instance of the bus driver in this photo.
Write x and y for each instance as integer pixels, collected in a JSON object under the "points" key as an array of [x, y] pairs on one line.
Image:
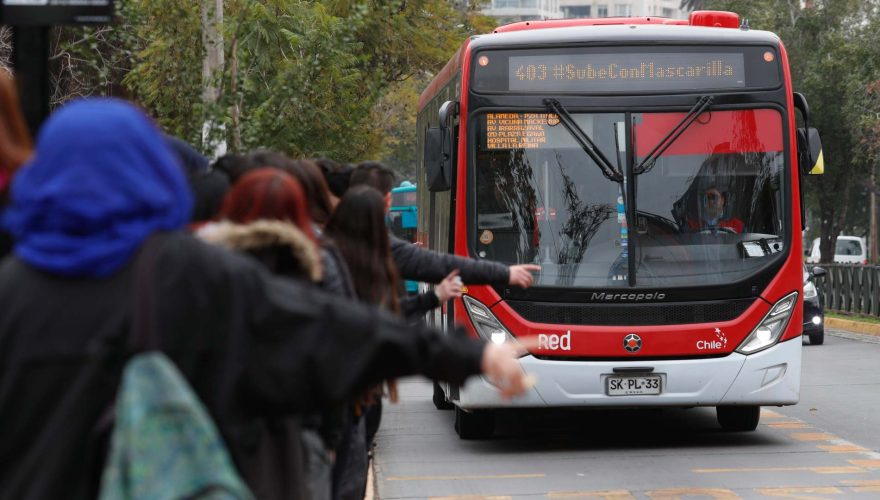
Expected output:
{"points": [[711, 207]]}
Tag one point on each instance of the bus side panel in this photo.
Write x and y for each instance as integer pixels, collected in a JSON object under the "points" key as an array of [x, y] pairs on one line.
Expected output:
{"points": [[435, 208], [790, 277]]}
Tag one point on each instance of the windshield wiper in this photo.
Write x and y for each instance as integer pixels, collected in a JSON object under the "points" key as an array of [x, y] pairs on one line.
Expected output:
{"points": [[584, 140], [648, 163]]}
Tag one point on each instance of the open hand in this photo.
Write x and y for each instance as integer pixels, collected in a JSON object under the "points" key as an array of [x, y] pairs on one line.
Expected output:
{"points": [[501, 367]]}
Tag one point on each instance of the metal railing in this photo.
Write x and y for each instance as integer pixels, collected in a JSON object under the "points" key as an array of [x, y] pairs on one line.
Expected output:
{"points": [[850, 288]]}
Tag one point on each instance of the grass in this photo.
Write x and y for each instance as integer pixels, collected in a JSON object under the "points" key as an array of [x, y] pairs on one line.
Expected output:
{"points": [[854, 317]]}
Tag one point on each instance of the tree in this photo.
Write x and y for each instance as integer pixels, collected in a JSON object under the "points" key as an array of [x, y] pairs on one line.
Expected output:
{"points": [[305, 77]]}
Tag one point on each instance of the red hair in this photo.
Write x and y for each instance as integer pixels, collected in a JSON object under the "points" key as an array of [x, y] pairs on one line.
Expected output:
{"points": [[15, 141], [268, 194]]}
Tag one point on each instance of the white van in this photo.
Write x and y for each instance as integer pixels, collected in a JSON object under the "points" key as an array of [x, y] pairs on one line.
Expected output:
{"points": [[849, 250]]}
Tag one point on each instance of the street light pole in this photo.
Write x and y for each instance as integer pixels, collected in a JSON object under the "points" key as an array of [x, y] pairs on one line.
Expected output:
{"points": [[30, 58]]}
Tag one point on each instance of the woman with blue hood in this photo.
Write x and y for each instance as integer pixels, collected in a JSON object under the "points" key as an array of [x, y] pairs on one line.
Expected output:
{"points": [[101, 187]]}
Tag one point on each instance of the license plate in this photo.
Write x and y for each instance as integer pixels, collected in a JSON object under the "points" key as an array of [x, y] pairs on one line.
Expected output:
{"points": [[633, 386]]}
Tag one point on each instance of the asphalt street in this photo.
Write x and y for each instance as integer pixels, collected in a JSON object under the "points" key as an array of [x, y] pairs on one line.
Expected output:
{"points": [[827, 446]]}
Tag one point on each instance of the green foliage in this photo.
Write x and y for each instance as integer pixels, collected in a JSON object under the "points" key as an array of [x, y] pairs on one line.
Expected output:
{"points": [[166, 75], [396, 112], [301, 86], [396, 116], [305, 77]]}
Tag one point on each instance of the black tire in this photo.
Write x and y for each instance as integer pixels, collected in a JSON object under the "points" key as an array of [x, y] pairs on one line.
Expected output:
{"points": [[476, 424], [440, 401], [817, 337], [738, 418]]}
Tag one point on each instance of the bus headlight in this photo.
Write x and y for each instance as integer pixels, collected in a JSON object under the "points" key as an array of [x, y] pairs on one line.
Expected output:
{"points": [[485, 323], [771, 327], [810, 290]]}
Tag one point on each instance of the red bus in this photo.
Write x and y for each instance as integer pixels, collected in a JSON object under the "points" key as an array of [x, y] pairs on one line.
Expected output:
{"points": [[652, 167]]}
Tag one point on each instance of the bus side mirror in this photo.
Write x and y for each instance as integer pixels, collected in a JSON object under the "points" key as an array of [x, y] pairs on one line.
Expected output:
{"points": [[435, 162], [439, 148], [809, 144], [810, 155]]}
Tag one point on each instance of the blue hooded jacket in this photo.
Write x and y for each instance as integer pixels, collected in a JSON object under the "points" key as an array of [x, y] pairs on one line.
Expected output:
{"points": [[102, 179]]}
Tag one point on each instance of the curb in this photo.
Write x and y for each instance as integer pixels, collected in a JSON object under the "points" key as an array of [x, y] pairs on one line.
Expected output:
{"points": [[369, 493], [853, 326]]}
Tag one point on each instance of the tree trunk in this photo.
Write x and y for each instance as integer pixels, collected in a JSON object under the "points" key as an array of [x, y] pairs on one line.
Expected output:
{"points": [[233, 91], [213, 132]]}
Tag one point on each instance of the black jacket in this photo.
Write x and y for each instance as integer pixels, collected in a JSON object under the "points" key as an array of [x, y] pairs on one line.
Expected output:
{"points": [[251, 345], [419, 264]]}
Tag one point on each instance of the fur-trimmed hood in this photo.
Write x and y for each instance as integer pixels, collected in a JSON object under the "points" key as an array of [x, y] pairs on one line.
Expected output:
{"points": [[263, 234]]}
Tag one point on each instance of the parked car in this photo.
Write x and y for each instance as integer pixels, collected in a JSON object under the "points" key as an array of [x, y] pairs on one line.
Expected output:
{"points": [[814, 316], [849, 250]]}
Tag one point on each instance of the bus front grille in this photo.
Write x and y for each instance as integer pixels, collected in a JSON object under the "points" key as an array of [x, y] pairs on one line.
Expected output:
{"points": [[630, 314]]}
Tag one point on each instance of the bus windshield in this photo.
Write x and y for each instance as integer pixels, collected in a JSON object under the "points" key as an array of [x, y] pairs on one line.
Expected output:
{"points": [[709, 210]]}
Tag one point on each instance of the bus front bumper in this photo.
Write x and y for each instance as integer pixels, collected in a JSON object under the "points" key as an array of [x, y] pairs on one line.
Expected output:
{"points": [[770, 378]]}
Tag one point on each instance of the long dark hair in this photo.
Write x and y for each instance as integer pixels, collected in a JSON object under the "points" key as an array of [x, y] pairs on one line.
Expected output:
{"points": [[358, 229]]}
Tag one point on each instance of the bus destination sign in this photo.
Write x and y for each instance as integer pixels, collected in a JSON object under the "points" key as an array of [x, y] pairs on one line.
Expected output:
{"points": [[626, 72], [518, 130], [55, 12]]}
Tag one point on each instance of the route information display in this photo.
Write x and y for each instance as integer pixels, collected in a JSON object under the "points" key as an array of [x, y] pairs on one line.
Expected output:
{"points": [[626, 72], [55, 12], [518, 130]]}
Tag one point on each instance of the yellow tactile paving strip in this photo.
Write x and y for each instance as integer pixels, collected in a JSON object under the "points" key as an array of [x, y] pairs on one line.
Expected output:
{"points": [[867, 464], [842, 448]]}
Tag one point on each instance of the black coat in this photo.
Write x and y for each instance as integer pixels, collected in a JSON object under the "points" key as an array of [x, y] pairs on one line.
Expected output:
{"points": [[250, 344], [419, 264]]}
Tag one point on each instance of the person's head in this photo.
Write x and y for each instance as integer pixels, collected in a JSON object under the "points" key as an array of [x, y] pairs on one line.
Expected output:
{"points": [[268, 194], [308, 174], [102, 179], [233, 166], [712, 201], [15, 140], [377, 176], [337, 176], [358, 229], [192, 161]]}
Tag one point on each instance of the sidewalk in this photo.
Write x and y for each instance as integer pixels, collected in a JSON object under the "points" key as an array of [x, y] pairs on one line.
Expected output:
{"points": [[849, 325]]}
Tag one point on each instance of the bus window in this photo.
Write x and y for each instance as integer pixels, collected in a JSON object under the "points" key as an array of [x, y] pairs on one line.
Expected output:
{"points": [[550, 204], [712, 196]]}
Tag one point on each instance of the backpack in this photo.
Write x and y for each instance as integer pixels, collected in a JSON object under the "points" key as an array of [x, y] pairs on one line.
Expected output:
{"points": [[164, 444]]}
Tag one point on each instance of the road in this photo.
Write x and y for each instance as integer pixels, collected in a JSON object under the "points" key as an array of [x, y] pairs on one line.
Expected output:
{"points": [[828, 446]]}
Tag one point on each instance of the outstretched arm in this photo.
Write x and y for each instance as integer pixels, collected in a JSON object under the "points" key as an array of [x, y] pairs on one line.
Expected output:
{"points": [[311, 349], [419, 264]]}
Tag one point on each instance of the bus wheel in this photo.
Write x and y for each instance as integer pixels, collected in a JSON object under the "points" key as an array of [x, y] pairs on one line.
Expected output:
{"points": [[738, 418], [476, 424], [440, 399]]}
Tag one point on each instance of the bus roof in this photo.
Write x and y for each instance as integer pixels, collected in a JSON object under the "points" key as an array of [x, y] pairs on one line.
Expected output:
{"points": [[702, 27], [622, 34], [707, 18]]}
